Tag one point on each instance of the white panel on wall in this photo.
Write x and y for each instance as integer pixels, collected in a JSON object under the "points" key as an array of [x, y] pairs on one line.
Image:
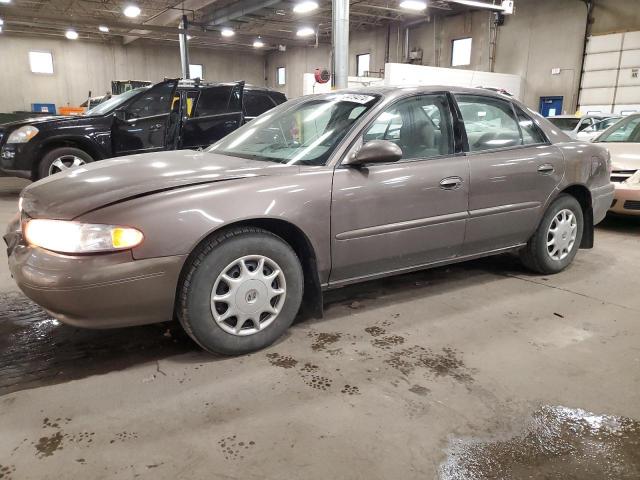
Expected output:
{"points": [[626, 109], [601, 61], [627, 79], [593, 109], [628, 95], [596, 96], [630, 59], [599, 78], [631, 41], [604, 43]]}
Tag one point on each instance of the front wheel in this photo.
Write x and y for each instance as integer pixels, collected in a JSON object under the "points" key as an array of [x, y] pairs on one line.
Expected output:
{"points": [[556, 241], [240, 292], [62, 159]]}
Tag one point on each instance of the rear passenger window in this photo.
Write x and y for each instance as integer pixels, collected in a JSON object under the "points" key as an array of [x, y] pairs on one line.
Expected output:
{"points": [[531, 133], [420, 126], [213, 101], [490, 122], [256, 104]]}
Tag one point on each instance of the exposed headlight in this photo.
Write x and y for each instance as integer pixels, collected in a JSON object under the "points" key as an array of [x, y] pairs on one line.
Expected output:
{"points": [[74, 237], [23, 134]]}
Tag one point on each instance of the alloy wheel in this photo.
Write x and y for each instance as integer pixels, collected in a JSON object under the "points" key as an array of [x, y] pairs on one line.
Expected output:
{"points": [[65, 162]]}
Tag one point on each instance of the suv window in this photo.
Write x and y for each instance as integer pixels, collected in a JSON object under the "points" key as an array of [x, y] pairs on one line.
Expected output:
{"points": [[155, 101], [420, 126], [278, 97], [213, 101], [256, 103], [490, 122]]}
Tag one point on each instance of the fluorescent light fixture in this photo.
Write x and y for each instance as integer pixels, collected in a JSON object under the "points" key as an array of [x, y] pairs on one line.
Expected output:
{"points": [[0, 29], [305, 6], [305, 31], [227, 32], [103, 29], [131, 11], [189, 37], [71, 34], [474, 3], [415, 5], [1, 22], [5, 1], [258, 43]]}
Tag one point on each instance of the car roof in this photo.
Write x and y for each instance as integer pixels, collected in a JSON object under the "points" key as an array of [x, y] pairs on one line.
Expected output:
{"points": [[389, 91], [201, 85]]}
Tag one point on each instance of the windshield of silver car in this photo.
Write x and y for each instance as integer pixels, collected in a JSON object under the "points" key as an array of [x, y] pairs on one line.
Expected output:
{"points": [[114, 102], [306, 133], [625, 131]]}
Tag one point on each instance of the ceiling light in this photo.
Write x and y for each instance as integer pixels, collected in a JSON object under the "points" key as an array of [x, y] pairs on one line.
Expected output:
{"points": [[71, 34], [305, 31], [416, 5], [103, 29], [131, 11], [227, 32], [1, 22], [258, 43], [0, 29], [189, 37], [305, 6], [5, 1], [474, 3]]}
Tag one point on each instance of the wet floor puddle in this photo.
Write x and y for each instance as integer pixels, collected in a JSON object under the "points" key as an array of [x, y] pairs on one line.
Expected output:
{"points": [[36, 349], [557, 443]]}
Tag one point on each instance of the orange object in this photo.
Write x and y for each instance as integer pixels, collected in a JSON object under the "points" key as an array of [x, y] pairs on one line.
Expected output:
{"points": [[71, 110]]}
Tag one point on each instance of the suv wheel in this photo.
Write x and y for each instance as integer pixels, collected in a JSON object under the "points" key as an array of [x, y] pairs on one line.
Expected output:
{"points": [[556, 241], [241, 291], [61, 159]]}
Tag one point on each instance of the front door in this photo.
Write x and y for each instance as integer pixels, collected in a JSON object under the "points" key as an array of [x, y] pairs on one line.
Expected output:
{"points": [[395, 216], [147, 121], [218, 112], [513, 168]]}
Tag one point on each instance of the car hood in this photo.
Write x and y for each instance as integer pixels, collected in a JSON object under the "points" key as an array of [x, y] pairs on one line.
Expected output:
{"points": [[38, 120], [66, 195], [624, 156]]}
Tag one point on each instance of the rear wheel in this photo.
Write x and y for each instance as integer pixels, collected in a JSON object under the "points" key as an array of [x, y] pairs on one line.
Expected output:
{"points": [[240, 292], [555, 243], [62, 159]]}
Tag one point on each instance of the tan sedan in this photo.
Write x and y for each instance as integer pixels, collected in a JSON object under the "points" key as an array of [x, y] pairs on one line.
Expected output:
{"points": [[623, 142]]}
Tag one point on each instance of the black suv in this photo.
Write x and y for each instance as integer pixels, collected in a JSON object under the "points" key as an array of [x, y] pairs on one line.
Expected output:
{"points": [[169, 115]]}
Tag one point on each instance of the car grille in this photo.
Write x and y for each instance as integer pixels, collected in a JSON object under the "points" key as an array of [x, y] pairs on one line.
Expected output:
{"points": [[619, 176], [632, 205]]}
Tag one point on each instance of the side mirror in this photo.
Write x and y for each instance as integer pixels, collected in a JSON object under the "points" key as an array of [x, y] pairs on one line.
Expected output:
{"points": [[120, 115], [375, 151]]}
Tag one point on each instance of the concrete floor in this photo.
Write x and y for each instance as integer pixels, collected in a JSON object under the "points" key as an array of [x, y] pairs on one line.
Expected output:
{"points": [[401, 379]]}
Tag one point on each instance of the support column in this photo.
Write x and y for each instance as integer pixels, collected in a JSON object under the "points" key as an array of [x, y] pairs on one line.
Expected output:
{"points": [[340, 42], [184, 48]]}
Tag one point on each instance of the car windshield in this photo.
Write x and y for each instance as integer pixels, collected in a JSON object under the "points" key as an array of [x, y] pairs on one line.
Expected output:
{"points": [[564, 123], [603, 125], [625, 131], [114, 102], [306, 133]]}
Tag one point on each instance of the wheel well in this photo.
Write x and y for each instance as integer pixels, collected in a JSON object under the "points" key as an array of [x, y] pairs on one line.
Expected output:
{"points": [[583, 196], [296, 238], [58, 143]]}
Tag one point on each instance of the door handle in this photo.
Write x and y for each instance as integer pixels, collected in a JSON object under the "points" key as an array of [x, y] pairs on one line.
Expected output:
{"points": [[450, 183], [156, 127], [546, 169]]}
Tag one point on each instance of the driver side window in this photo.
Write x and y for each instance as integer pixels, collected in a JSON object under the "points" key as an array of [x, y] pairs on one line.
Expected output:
{"points": [[156, 101], [420, 126]]}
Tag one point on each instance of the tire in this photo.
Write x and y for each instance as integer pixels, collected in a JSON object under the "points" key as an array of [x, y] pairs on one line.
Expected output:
{"points": [[211, 323], [61, 159], [541, 256]]}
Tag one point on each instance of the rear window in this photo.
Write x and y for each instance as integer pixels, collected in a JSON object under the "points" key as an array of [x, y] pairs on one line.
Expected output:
{"points": [[256, 103], [278, 97], [213, 101]]}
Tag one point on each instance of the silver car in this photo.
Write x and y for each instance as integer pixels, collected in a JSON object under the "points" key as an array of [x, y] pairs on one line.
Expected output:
{"points": [[320, 192]]}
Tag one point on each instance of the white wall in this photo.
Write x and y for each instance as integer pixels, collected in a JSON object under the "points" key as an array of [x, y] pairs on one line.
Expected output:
{"points": [[82, 66]]}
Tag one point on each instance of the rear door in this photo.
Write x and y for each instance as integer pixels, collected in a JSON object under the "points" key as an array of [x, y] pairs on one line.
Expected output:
{"points": [[400, 215], [513, 172], [218, 112], [147, 121]]}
